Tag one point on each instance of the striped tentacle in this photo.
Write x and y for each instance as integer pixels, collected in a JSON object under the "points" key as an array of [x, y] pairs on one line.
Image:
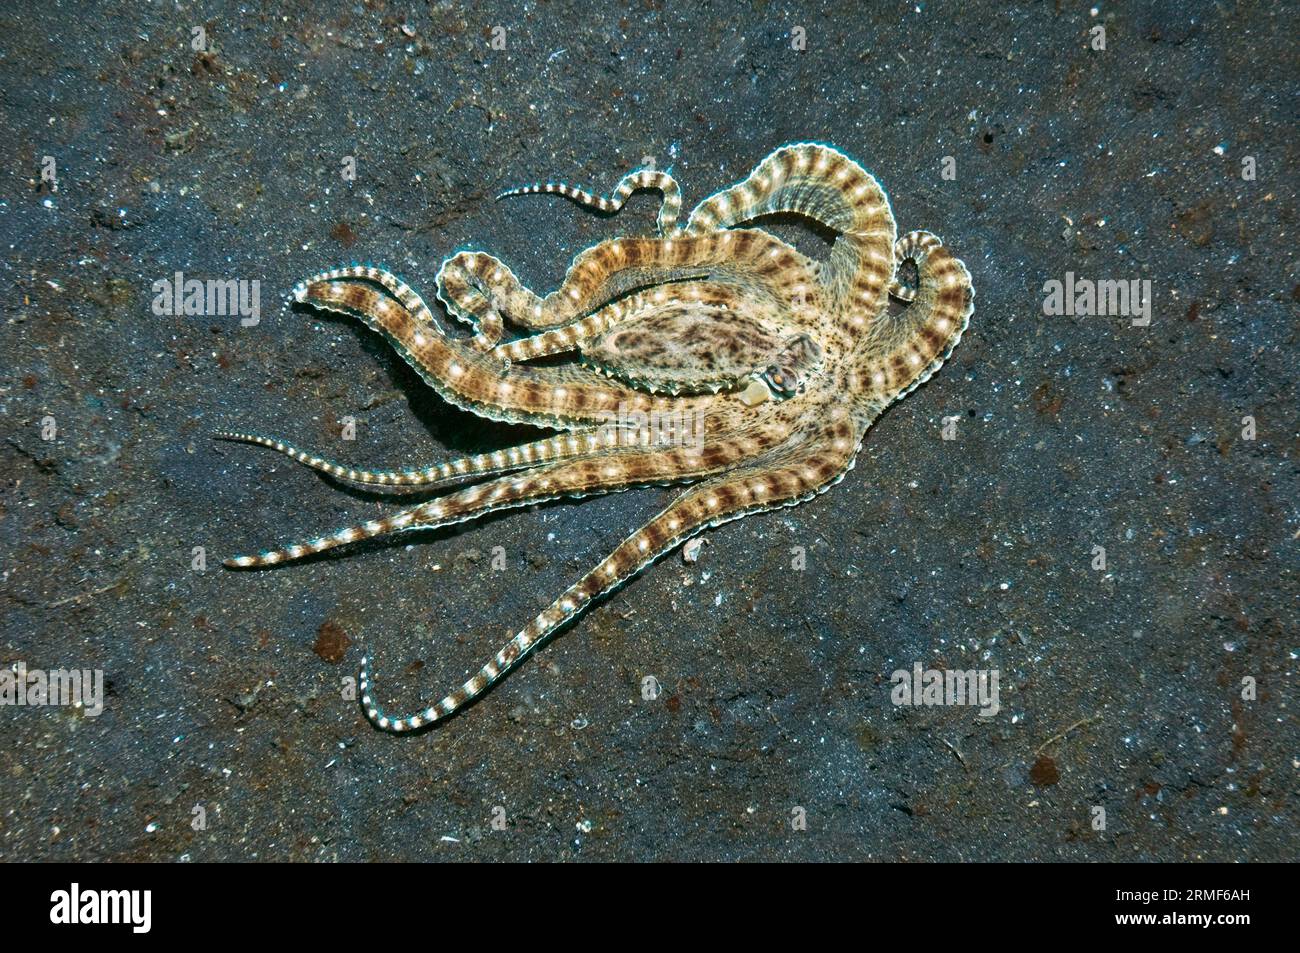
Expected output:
{"points": [[525, 455], [597, 465], [911, 247], [773, 480], [562, 339], [399, 289], [478, 287], [562, 397], [572, 336], [487, 325], [827, 186], [904, 351], [463, 292], [610, 204]]}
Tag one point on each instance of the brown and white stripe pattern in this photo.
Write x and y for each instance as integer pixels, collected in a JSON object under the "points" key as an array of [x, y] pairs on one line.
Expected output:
{"points": [[774, 480], [570, 336], [399, 289], [823, 184], [906, 352], [597, 462], [533, 454], [913, 247], [664, 183]]}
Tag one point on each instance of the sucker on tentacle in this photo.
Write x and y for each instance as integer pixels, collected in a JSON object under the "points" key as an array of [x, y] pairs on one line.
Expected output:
{"points": [[783, 362]]}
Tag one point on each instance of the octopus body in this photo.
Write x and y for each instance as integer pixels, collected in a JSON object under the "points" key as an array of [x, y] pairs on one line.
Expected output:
{"points": [[786, 360]]}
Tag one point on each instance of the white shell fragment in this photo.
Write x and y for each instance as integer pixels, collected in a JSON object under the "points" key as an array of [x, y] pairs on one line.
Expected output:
{"points": [[691, 551]]}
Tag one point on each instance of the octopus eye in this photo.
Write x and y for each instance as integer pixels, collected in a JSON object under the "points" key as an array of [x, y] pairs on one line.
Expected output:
{"points": [[782, 381]]}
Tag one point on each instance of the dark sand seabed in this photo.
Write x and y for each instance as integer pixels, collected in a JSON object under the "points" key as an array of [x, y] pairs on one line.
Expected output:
{"points": [[1120, 689]]}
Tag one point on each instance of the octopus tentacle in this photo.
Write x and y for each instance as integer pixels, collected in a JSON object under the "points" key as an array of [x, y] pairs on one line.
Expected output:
{"points": [[901, 353], [480, 382], [525, 455], [488, 326], [475, 286], [479, 288], [570, 336], [701, 298], [909, 247], [662, 182], [827, 186], [399, 289], [783, 478], [597, 466]]}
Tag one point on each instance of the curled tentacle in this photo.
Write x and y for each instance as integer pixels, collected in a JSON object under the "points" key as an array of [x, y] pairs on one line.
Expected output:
{"points": [[913, 247], [612, 203], [902, 352], [827, 186]]}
